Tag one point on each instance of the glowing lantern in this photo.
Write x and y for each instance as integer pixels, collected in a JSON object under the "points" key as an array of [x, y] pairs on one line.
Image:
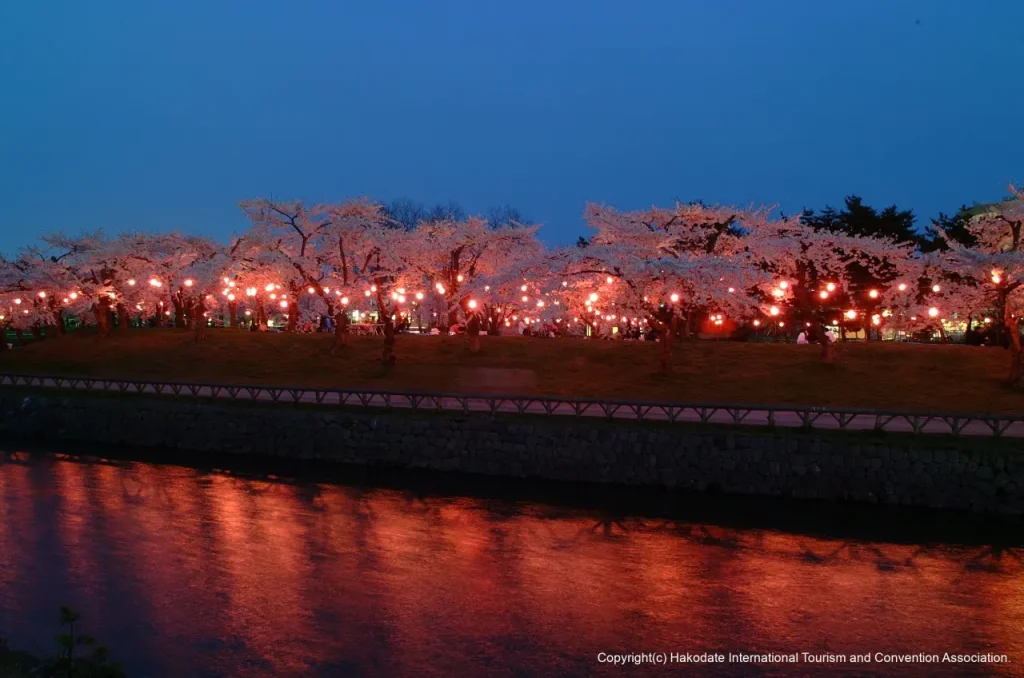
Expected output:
{"points": [[823, 294], [523, 288], [774, 310], [876, 319], [525, 298], [327, 290], [188, 282], [472, 303], [593, 297], [394, 295], [903, 287], [935, 288], [674, 298], [66, 300], [831, 287], [248, 312], [367, 292], [17, 301], [231, 297], [988, 321], [565, 283], [401, 298], [851, 314], [419, 295], [777, 293], [226, 281], [73, 295], [757, 323], [251, 292], [269, 288], [273, 296], [732, 289], [609, 280], [132, 282], [996, 278], [42, 295], [873, 294], [284, 304], [312, 290], [154, 282], [540, 303], [344, 301], [783, 284], [782, 324], [933, 312]]}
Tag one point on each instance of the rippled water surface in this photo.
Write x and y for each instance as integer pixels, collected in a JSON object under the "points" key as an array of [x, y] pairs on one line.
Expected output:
{"points": [[203, 573]]}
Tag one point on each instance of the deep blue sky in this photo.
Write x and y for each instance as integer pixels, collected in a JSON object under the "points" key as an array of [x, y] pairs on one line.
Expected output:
{"points": [[162, 115]]}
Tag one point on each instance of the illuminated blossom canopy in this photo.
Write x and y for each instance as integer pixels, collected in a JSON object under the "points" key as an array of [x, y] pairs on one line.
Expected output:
{"points": [[666, 269]]}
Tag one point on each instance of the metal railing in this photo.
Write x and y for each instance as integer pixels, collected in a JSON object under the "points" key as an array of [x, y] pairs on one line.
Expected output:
{"points": [[787, 416]]}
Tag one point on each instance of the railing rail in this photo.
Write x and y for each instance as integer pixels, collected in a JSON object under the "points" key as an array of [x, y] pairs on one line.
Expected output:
{"points": [[786, 416]]}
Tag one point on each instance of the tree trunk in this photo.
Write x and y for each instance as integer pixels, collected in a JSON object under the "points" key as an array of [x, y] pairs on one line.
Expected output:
{"points": [[233, 311], [942, 334], [199, 321], [387, 356], [59, 328], [37, 332], [1013, 326], [102, 310], [667, 329], [180, 321], [341, 330], [293, 315], [123, 320], [828, 347], [20, 334], [473, 330]]}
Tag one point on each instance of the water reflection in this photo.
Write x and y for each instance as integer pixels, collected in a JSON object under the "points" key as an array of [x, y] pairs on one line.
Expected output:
{"points": [[185, 572]]}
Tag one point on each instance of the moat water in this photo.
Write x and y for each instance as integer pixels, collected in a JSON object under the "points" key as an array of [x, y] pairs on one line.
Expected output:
{"points": [[186, 571]]}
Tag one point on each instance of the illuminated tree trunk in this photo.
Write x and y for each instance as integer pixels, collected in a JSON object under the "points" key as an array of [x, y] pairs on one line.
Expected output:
{"points": [[123, 320], [828, 347], [180, 321], [473, 331], [341, 330], [199, 319], [233, 312], [59, 329], [387, 356], [942, 333], [667, 329], [293, 316], [1013, 326], [102, 311]]}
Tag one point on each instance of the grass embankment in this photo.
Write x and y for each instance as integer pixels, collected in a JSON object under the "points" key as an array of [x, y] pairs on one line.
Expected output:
{"points": [[885, 376]]}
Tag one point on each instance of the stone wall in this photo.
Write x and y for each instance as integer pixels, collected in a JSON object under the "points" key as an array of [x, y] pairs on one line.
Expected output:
{"points": [[980, 475]]}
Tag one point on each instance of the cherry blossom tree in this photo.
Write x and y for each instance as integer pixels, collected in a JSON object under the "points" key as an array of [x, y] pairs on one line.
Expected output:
{"points": [[674, 264], [998, 260], [451, 255]]}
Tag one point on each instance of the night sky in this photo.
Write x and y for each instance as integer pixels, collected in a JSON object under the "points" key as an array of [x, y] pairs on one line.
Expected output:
{"points": [[163, 115]]}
